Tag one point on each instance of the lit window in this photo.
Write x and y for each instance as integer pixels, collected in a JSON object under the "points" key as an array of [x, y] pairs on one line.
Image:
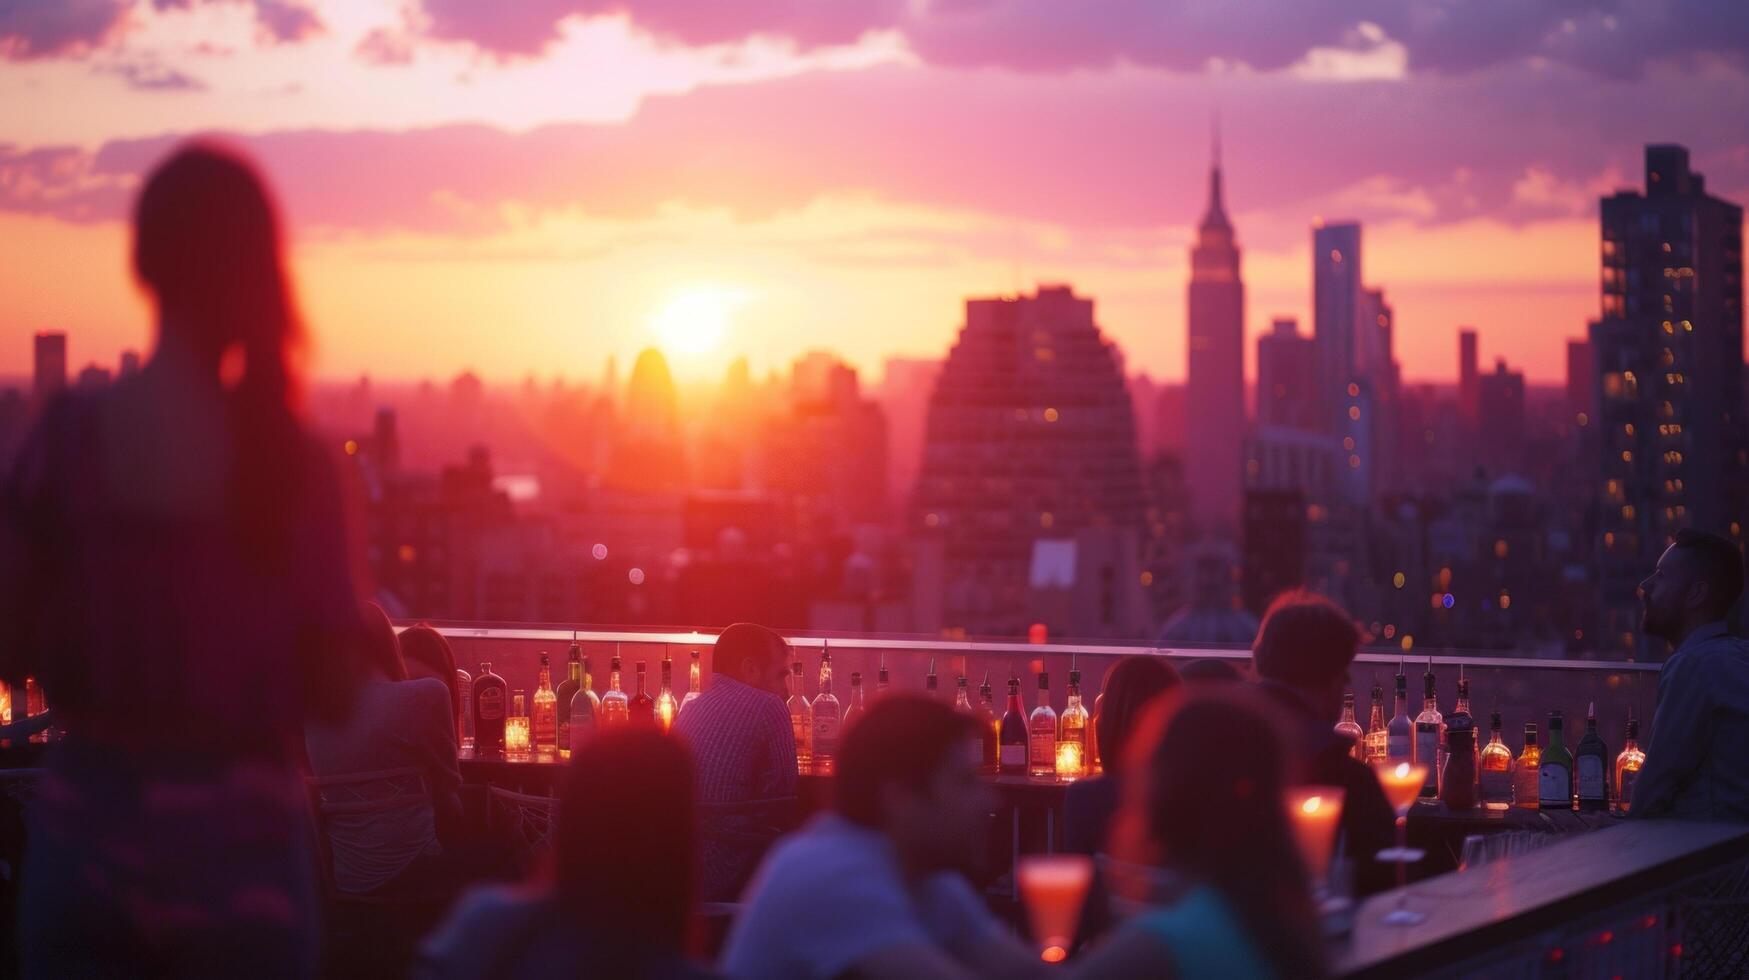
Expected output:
{"points": [[1050, 415], [1354, 412], [1147, 579], [1348, 443], [1398, 579], [1408, 642], [1500, 548], [407, 553], [1335, 255], [1354, 462], [1046, 519], [1584, 419], [352, 447], [1353, 389]]}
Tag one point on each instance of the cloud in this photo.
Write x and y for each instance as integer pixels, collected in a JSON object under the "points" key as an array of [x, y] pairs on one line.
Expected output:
{"points": [[150, 76], [385, 46], [49, 28]]}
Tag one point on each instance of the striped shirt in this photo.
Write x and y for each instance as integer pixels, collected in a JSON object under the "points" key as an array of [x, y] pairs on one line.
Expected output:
{"points": [[743, 749]]}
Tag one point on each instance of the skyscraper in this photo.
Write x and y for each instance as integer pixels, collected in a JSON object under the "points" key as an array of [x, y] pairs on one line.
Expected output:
{"points": [[1669, 356], [1287, 373], [1215, 386], [1030, 477], [50, 362], [1468, 373], [1500, 420], [1581, 379], [1336, 299]]}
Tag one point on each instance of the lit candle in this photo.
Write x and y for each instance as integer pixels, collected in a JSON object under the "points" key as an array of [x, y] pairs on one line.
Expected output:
{"points": [[1070, 764], [1053, 886], [1401, 783], [1315, 811]]}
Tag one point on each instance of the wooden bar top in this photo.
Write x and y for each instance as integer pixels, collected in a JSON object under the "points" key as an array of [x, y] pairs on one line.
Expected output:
{"points": [[1513, 898]]}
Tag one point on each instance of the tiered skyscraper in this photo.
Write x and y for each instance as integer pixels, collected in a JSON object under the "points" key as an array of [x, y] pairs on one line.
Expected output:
{"points": [[1028, 507], [1215, 387], [1669, 356]]}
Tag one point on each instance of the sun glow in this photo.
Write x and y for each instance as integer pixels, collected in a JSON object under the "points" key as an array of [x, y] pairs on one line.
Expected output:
{"points": [[696, 320]]}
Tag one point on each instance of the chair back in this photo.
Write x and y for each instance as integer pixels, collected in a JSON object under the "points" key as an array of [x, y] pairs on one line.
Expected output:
{"points": [[526, 820], [359, 795]]}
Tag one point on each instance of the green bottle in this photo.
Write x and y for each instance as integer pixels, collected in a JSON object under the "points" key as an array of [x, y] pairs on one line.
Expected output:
{"points": [[1555, 781]]}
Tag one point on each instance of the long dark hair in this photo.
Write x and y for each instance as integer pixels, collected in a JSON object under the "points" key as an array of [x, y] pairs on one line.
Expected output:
{"points": [[1205, 799], [627, 869], [207, 245], [1131, 687], [423, 645]]}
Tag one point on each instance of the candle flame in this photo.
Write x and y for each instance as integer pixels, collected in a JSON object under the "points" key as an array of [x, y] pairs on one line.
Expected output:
{"points": [[1312, 804], [1054, 954], [1402, 770]]}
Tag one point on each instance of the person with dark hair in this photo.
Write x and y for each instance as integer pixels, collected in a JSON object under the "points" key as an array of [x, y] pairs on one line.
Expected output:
{"points": [[620, 894], [1210, 670], [1131, 686], [1301, 657], [1204, 819], [745, 752], [175, 572], [875, 887], [427, 654], [1696, 764], [392, 723]]}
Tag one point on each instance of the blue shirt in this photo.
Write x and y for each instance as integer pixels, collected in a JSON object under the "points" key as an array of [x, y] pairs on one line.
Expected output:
{"points": [[1205, 938], [1697, 761]]}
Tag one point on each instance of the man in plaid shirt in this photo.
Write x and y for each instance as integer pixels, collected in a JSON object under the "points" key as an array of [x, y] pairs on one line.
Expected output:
{"points": [[744, 751]]}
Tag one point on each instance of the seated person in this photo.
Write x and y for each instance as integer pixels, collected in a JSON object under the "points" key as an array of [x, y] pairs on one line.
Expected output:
{"points": [[391, 723], [427, 654], [1210, 670], [1131, 686], [619, 896], [873, 888], [1301, 657], [1696, 764], [1204, 818], [744, 750]]}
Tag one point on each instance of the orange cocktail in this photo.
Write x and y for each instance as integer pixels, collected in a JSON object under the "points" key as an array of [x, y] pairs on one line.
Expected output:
{"points": [[1053, 886]]}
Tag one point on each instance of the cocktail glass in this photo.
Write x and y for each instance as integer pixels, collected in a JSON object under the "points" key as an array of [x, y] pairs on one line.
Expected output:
{"points": [[1402, 783], [1053, 886]]}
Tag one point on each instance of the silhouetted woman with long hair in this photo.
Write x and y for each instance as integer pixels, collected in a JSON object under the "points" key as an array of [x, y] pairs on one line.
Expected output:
{"points": [[175, 573], [1204, 813]]}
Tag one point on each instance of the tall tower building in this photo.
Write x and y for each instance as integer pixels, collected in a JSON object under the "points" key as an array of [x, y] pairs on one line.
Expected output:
{"points": [[50, 363], [1215, 386], [1287, 378], [1468, 375], [1336, 309], [1669, 354]]}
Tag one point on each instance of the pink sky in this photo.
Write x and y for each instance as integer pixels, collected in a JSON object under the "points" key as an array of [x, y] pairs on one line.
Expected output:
{"points": [[527, 187]]}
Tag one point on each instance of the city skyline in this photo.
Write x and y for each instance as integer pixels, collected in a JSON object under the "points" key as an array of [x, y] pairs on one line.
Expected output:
{"points": [[511, 197]]}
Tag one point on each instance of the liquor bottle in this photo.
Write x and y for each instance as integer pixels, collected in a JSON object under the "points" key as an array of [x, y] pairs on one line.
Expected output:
{"points": [[6, 701], [1400, 731], [543, 723], [1097, 764], [1527, 771], [1496, 768], [464, 725], [1460, 715], [489, 705], [566, 693], [666, 707], [589, 688], [615, 706], [801, 720], [854, 709], [1591, 765], [1628, 765], [516, 728], [929, 689], [35, 704], [1349, 729], [584, 714], [692, 688], [881, 679], [826, 721], [992, 725], [1072, 727], [962, 696], [1041, 730], [1375, 726], [1555, 784], [642, 708], [1012, 738], [1457, 779], [1429, 731]]}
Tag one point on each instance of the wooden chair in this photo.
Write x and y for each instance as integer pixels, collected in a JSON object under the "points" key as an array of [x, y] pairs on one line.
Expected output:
{"points": [[526, 820]]}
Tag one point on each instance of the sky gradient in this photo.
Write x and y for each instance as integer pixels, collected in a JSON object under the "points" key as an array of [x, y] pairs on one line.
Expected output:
{"points": [[527, 186]]}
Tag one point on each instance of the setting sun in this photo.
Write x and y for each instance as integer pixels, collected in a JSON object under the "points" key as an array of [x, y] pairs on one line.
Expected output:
{"points": [[695, 321]]}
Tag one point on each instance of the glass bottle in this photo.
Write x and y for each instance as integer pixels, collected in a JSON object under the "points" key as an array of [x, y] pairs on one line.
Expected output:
{"points": [[1628, 765], [801, 720], [615, 706], [1555, 785], [642, 708], [1072, 729], [824, 751], [1462, 710], [464, 725], [854, 709], [583, 716], [992, 725], [666, 707], [543, 722], [1457, 783], [881, 679], [589, 688], [1527, 772], [565, 694], [1042, 733], [1591, 765], [1496, 768], [1349, 729], [1375, 726], [1400, 731], [962, 696], [1429, 731], [692, 679], [516, 729], [1012, 740], [929, 687], [490, 702]]}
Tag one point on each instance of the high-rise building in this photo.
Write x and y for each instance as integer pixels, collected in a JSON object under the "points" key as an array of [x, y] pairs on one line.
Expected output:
{"points": [[1669, 356], [1336, 296], [1468, 373], [1215, 383], [1581, 379], [130, 363], [1287, 377], [94, 376], [1500, 420], [1029, 467], [50, 359]]}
